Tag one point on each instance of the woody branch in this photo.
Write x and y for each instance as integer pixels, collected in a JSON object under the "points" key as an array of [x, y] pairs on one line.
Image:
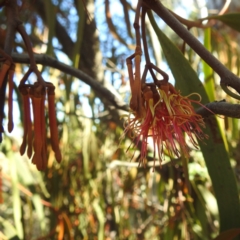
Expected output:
{"points": [[227, 77]]}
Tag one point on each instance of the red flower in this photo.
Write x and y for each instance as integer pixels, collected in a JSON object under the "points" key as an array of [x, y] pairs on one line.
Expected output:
{"points": [[166, 118], [37, 146]]}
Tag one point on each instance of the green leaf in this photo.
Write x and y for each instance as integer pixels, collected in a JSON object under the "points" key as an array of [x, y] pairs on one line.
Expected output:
{"points": [[17, 211], [185, 77], [209, 199], [50, 20], [230, 19], [24, 173], [8, 229], [207, 70], [200, 208], [229, 235], [100, 215], [213, 149], [235, 129], [39, 211], [80, 31]]}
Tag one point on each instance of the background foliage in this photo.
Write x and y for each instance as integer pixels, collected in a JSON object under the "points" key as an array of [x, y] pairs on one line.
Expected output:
{"points": [[98, 191]]}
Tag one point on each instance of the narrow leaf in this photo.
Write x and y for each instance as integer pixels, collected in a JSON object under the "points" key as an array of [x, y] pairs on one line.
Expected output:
{"points": [[17, 212], [207, 70], [80, 32], [39, 211], [8, 229], [185, 77], [126, 7], [230, 19], [213, 149]]}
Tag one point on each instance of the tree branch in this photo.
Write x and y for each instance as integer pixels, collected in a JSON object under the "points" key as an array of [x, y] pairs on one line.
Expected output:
{"points": [[100, 90], [227, 77], [220, 108]]}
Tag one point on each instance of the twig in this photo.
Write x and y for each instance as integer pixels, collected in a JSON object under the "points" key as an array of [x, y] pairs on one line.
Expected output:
{"points": [[225, 7], [149, 66], [199, 22], [112, 28], [221, 108], [144, 36], [227, 77], [33, 66], [96, 86]]}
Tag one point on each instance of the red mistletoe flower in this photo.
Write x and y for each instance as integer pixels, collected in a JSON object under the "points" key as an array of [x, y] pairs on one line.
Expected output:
{"points": [[34, 137], [166, 118]]}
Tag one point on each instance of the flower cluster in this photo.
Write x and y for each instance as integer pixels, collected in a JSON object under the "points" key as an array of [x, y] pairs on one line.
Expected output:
{"points": [[34, 139], [166, 117], [37, 143]]}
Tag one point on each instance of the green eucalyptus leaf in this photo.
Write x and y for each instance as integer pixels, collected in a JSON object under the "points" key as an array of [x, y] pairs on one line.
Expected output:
{"points": [[186, 79], [17, 211], [230, 19], [39, 210], [207, 70], [213, 148], [8, 229]]}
